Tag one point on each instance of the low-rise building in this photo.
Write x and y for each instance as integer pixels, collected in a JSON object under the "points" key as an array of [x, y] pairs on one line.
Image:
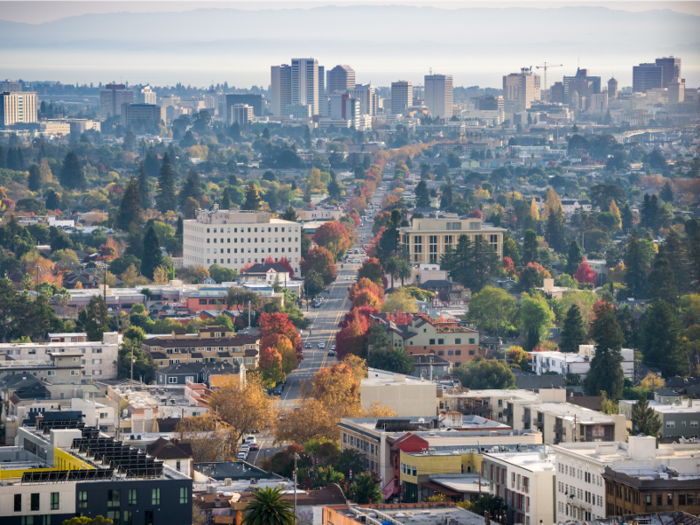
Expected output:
{"points": [[500, 405], [269, 273], [405, 396], [680, 419], [580, 364], [400, 514]]}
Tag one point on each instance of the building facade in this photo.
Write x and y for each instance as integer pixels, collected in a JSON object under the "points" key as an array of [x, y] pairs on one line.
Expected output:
{"points": [[280, 89], [112, 99], [233, 238], [438, 95], [520, 90], [17, 107], [240, 114], [340, 78], [646, 77], [146, 95], [305, 83], [401, 96], [427, 239], [255, 101], [671, 70], [149, 113]]}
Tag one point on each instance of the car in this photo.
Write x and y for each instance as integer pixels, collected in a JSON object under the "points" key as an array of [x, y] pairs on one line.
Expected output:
{"points": [[308, 345], [322, 345], [254, 446], [242, 456], [331, 352], [333, 347], [347, 278], [277, 391], [249, 440]]}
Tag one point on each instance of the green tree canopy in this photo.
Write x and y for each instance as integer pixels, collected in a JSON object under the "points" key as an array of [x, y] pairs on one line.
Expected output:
{"points": [[72, 173], [269, 507], [485, 374], [573, 333], [152, 254], [494, 310], [606, 366]]}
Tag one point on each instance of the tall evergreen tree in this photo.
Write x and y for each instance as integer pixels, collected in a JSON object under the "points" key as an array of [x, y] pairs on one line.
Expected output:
{"points": [[636, 274], [662, 284], [180, 228], [165, 199], [225, 200], [20, 159], [530, 251], [677, 255], [34, 181], [151, 164], [661, 342], [72, 174], [53, 201], [252, 198], [152, 256], [334, 189], [144, 188], [130, 207], [447, 197], [606, 366], [3, 158], [290, 214], [11, 161], [573, 333], [645, 420], [555, 233], [626, 218], [422, 195], [94, 319], [574, 257], [666, 192], [191, 188]]}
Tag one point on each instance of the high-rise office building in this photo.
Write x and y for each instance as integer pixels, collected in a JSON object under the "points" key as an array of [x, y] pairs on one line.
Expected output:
{"points": [[17, 107], [671, 70], [112, 98], [612, 88], [401, 96], [582, 80], [146, 96], [369, 100], [520, 90], [253, 100], [280, 89], [343, 107], [340, 78], [241, 114], [557, 93], [10, 86], [646, 77], [438, 95], [489, 103], [676, 91], [305, 83], [321, 81]]}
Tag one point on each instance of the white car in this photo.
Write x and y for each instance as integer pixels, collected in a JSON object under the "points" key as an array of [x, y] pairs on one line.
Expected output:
{"points": [[322, 345], [347, 278]]}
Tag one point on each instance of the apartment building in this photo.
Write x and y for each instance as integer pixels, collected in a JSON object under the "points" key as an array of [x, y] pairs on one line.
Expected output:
{"points": [[97, 358], [112, 99], [255, 101], [369, 100], [401, 96], [495, 404], [240, 114], [424, 336], [580, 364], [406, 396], [520, 90], [17, 107], [427, 239], [648, 480], [232, 238], [679, 419], [212, 344], [525, 481], [438, 95], [61, 468], [148, 113]]}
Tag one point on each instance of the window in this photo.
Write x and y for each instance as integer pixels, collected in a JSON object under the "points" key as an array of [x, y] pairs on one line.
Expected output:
{"points": [[441, 341], [458, 352], [54, 500], [472, 341], [114, 515], [133, 497], [670, 424], [128, 518], [35, 502], [415, 470], [659, 499], [18, 502], [693, 424], [669, 499], [27, 520], [113, 498], [82, 499], [155, 496], [172, 379], [183, 496], [458, 341], [431, 342]]}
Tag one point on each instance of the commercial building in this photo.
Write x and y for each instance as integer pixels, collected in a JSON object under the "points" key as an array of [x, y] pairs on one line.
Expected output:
{"points": [[406, 396], [490, 103], [341, 78], [17, 107], [679, 418], [438, 95], [427, 239], [344, 107], [142, 113], [299, 111], [498, 405], [671, 70], [240, 114], [369, 100], [525, 481], [520, 90], [97, 358], [112, 99], [9, 85], [61, 468], [232, 238], [255, 101], [212, 344], [676, 91], [305, 83], [612, 88], [581, 83], [401, 96], [146, 95], [646, 77]]}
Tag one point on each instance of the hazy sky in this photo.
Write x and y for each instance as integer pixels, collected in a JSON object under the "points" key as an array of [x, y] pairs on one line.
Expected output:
{"points": [[39, 11]]}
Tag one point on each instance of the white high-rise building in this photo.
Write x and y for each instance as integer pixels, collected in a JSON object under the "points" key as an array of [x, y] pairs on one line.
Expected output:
{"points": [[241, 114], [401, 96], [369, 100], [280, 89], [17, 107], [146, 96], [520, 90], [305, 83], [344, 107], [232, 238], [438, 95]]}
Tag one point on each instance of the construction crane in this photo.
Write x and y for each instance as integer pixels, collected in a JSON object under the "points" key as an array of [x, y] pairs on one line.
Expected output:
{"points": [[546, 66]]}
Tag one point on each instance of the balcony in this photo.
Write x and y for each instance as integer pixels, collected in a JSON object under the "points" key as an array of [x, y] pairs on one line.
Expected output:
{"points": [[526, 419], [508, 411]]}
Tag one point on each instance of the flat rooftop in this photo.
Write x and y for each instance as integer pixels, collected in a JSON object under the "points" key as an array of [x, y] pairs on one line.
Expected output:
{"points": [[532, 461], [568, 411], [421, 513], [525, 395]]}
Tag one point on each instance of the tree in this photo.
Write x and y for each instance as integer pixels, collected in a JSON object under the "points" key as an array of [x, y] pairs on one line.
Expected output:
{"points": [[378, 339], [352, 338], [225, 200], [191, 188], [485, 374], [636, 264], [94, 319], [165, 198], [585, 273], [333, 236], [573, 333], [252, 198], [270, 363], [422, 195], [130, 207], [34, 181], [144, 188], [676, 253], [574, 257], [494, 505], [209, 442], [530, 247], [152, 255], [662, 284], [365, 490], [72, 174], [221, 274], [645, 420], [555, 233], [53, 200], [606, 366], [268, 507], [662, 344], [399, 301], [84, 520], [313, 283], [320, 260], [391, 360], [494, 310], [653, 382], [371, 269], [335, 191], [535, 317], [290, 214]]}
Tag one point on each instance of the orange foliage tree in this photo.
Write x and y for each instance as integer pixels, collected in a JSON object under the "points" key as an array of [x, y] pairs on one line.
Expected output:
{"points": [[322, 261], [365, 284], [333, 236], [275, 328], [353, 335]]}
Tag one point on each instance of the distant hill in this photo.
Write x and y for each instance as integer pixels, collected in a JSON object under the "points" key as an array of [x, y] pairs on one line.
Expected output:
{"points": [[483, 27]]}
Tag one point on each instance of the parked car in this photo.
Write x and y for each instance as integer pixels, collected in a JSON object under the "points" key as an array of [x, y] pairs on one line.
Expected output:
{"points": [[308, 345]]}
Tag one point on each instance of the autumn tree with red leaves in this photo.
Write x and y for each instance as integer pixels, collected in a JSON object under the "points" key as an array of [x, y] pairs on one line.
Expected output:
{"points": [[365, 284], [274, 329], [322, 262], [287, 266], [270, 364], [508, 266], [371, 269], [333, 236], [400, 318], [585, 273], [354, 332]]}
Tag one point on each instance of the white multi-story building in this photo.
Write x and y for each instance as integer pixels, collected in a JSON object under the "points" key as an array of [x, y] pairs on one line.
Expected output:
{"points": [[17, 107], [569, 363], [241, 114], [438, 95], [99, 358], [146, 96], [305, 83], [233, 238], [525, 481]]}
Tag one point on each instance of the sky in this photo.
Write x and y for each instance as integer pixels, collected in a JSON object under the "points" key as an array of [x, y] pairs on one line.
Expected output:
{"points": [[38, 11]]}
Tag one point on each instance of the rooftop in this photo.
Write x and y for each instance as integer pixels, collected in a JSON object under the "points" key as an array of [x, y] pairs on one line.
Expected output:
{"points": [[415, 513], [568, 411], [532, 461]]}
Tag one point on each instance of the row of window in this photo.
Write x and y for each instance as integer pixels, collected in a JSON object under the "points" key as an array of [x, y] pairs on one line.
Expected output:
{"points": [[582, 495], [187, 350], [361, 444], [253, 240], [672, 424], [262, 229], [580, 474], [458, 341], [32, 351], [235, 261], [255, 250], [35, 502]]}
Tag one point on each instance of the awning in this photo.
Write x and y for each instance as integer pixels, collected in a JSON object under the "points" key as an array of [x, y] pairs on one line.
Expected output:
{"points": [[439, 488]]}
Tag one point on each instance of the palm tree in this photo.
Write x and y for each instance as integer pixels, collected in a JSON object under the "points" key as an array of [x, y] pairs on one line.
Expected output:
{"points": [[392, 267], [268, 508], [404, 270]]}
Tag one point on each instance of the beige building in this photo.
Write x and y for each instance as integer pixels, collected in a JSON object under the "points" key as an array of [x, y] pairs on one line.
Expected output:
{"points": [[493, 403], [438, 95], [233, 238], [405, 396], [401, 96], [17, 107], [520, 90], [426, 239]]}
